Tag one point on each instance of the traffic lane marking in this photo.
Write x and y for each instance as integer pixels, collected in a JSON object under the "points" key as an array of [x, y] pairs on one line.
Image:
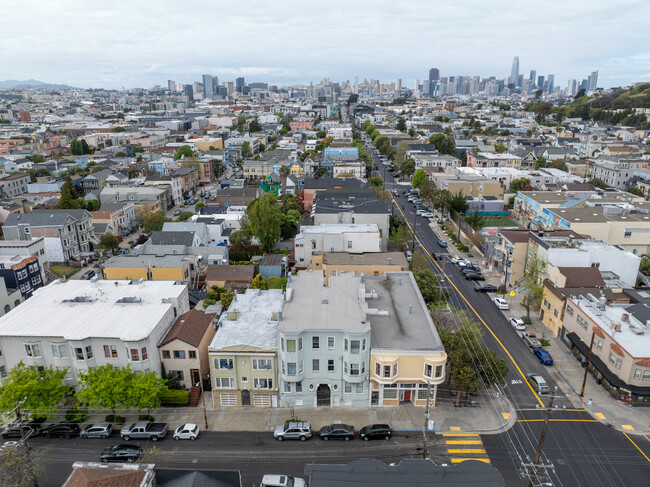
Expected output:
{"points": [[471, 307], [459, 460], [559, 420], [627, 427], [599, 415], [637, 446], [460, 434]]}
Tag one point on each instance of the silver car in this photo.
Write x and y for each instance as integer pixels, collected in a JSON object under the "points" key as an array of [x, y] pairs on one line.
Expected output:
{"points": [[188, 431], [293, 430], [97, 430]]}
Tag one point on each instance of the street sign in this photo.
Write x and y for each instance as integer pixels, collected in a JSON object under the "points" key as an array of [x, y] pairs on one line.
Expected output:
{"points": [[512, 293]]}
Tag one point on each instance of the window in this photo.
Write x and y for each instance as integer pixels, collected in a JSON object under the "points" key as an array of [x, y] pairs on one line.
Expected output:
{"points": [[60, 351], [282, 344], [262, 383], [3, 372], [547, 304], [599, 344], [646, 374], [135, 356], [291, 368], [192, 353], [330, 365], [261, 364], [355, 346], [363, 367], [386, 371], [291, 345], [33, 350], [359, 387], [225, 383], [79, 353], [330, 343], [377, 369], [363, 346], [315, 365], [354, 369], [627, 234], [287, 387], [555, 313], [612, 358], [179, 353], [394, 370], [300, 344], [438, 371], [299, 386], [428, 370], [349, 244], [165, 353], [225, 363], [244, 378], [619, 362], [283, 367], [145, 355], [348, 388], [177, 374], [637, 373], [569, 310], [345, 344], [315, 343]]}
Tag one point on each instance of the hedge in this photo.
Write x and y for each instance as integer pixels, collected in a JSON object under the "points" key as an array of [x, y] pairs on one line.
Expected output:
{"points": [[175, 396]]}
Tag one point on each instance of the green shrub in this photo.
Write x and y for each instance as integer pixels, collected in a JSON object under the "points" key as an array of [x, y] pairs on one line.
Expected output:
{"points": [[145, 417], [115, 419], [175, 396], [469, 254], [292, 420], [463, 247], [75, 416], [526, 320], [545, 343]]}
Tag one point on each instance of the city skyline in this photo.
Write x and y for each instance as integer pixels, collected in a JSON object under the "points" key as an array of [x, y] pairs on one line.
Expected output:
{"points": [[278, 43]]}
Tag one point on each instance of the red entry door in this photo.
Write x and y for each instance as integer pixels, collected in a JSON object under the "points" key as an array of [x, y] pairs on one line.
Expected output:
{"points": [[407, 395]]}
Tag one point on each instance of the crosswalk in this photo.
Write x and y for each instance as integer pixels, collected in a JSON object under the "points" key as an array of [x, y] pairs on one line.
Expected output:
{"points": [[465, 446]]}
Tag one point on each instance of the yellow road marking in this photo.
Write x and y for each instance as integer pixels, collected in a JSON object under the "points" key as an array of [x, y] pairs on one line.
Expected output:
{"points": [[459, 460], [627, 427], [558, 411], [559, 420], [599, 415], [637, 447], [505, 415], [460, 434], [467, 450], [454, 428], [470, 306], [463, 442]]}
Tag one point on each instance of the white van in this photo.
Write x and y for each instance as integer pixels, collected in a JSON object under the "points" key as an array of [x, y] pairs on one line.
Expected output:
{"points": [[271, 480]]}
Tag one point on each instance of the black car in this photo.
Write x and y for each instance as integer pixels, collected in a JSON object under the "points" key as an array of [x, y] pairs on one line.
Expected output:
{"points": [[337, 432], [439, 256], [471, 268], [485, 288], [375, 432], [86, 276], [61, 430], [474, 276], [121, 453], [28, 429]]}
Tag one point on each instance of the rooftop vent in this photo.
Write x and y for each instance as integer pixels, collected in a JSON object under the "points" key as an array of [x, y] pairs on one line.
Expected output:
{"points": [[324, 301], [129, 300], [79, 299]]}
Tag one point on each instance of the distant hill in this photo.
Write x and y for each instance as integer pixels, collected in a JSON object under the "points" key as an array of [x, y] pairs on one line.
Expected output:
{"points": [[623, 98], [12, 84]]}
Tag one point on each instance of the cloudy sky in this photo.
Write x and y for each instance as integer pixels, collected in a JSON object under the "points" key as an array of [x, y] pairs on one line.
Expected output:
{"points": [[140, 43]]}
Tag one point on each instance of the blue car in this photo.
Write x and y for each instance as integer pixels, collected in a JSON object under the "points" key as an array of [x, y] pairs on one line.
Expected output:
{"points": [[543, 356], [442, 243]]}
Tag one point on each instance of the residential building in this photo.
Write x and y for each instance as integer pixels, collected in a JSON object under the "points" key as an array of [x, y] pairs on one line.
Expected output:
{"points": [[23, 273], [324, 342], [145, 198], [364, 264], [243, 352], [184, 348], [229, 276], [440, 162], [150, 267], [474, 188], [273, 265], [349, 238], [189, 177], [9, 299], [12, 185], [620, 354], [75, 325], [173, 182], [115, 218], [492, 159], [27, 248], [312, 186], [95, 182]]}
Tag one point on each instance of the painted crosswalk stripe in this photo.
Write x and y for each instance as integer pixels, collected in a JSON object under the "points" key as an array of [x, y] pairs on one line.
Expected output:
{"points": [[459, 434], [467, 450], [463, 442]]}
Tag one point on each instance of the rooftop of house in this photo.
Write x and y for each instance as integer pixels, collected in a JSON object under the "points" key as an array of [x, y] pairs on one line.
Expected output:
{"points": [[230, 273], [312, 305], [172, 238], [45, 218], [399, 317], [189, 327], [76, 309], [366, 258], [91, 474], [145, 260], [327, 183], [338, 228], [634, 335], [273, 260], [252, 320], [582, 277]]}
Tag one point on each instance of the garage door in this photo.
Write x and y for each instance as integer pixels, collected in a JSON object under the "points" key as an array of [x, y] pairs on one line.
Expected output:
{"points": [[262, 400], [228, 399]]}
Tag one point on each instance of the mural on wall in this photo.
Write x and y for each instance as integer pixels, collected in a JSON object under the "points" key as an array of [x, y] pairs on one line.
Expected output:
{"points": [[525, 210], [334, 111], [551, 222]]}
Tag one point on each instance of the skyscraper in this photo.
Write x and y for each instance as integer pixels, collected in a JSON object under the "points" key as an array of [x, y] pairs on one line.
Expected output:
{"points": [[239, 85], [434, 74], [514, 72], [532, 78], [572, 87], [540, 82], [399, 84], [551, 83], [208, 91], [592, 81], [171, 85], [187, 91]]}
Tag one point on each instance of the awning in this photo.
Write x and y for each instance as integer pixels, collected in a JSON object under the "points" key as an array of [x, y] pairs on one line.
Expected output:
{"points": [[601, 367]]}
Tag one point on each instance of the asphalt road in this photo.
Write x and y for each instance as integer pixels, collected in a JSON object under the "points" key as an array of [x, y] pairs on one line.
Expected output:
{"points": [[253, 454], [582, 451]]}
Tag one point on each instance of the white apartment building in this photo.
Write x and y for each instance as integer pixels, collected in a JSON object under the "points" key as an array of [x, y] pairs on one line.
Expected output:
{"points": [[350, 238], [76, 325]]}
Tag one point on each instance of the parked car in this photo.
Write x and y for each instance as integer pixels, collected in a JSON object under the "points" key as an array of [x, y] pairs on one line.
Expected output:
{"points": [[485, 288], [517, 324], [28, 429], [462, 263], [121, 453], [337, 432], [282, 481], [86, 276], [97, 430], [538, 383], [427, 214], [409, 255], [543, 356], [375, 432], [177, 212], [293, 430], [471, 268], [144, 430], [531, 340], [187, 431], [442, 243], [61, 430], [501, 303]]}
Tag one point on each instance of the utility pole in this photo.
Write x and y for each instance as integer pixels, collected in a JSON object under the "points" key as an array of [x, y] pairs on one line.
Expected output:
{"points": [[425, 438], [415, 222], [205, 411], [540, 445], [591, 346]]}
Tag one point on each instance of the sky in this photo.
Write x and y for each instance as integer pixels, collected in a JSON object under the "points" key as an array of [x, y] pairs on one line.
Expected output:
{"points": [[141, 43]]}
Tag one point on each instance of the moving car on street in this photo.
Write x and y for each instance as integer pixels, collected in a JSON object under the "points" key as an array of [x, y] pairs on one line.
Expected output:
{"points": [[375, 432], [121, 453], [538, 383], [337, 432]]}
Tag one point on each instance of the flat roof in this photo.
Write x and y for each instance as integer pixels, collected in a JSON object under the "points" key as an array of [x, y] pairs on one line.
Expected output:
{"points": [[366, 258], [76, 310], [334, 228], [145, 260], [407, 324]]}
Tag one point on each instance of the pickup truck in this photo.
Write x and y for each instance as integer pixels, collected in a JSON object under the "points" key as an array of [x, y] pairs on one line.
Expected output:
{"points": [[144, 430], [531, 340]]}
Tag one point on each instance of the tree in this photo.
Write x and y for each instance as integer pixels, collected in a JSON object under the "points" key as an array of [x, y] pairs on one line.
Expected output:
{"points": [[145, 390], [327, 141], [184, 151], [68, 200], [259, 282], [21, 465], [522, 184], [353, 98], [599, 183], [462, 157], [440, 200], [246, 149], [399, 237], [36, 158], [154, 222], [137, 149], [109, 242], [41, 390], [264, 218], [184, 216], [119, 128], [241, 239], [538, 94], [121, 154], [277, 283], [401, 125], [427, 187], [226, 299], [533, 289], [408, 167], [500, 147], [198, 205], [429, 285], [284, 174], [444, 143], [254, 126], [105, 387], [376, 182], [580, 94], [541, 162], [635, 191], [321, 134], [320, 172], [457, 204], [542, 109], [418, 178], [475, 220], [76, 148]]}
